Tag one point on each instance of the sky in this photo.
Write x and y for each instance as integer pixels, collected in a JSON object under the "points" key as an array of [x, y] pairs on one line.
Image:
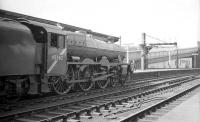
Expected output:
{"points": [[169, 20]]}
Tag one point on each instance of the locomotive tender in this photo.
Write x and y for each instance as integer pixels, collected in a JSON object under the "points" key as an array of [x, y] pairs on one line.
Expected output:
{"points": [[39, 58]]}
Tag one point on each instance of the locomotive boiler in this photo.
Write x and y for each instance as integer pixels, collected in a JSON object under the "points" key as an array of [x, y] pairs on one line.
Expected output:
{"points": [[39, 58]]}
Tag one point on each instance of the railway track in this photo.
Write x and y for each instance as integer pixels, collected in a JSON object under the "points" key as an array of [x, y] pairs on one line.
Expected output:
{"points": [[85, 106], [76, 93], [152, 109], [136, 84], [169, 105]]}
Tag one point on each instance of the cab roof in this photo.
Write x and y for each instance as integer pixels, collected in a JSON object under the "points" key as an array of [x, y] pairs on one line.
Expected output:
{"points": [[47, 27]]}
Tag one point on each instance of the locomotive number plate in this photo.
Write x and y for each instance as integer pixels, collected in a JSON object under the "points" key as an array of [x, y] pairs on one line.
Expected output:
{"points": [[57, 57]]}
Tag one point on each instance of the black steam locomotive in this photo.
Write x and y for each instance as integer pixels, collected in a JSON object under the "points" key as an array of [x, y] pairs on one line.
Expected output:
{"points": [[40, 58]]}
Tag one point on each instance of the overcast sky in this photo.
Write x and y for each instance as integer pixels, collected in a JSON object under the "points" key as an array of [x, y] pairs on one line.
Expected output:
{"points": [[168, 20]]}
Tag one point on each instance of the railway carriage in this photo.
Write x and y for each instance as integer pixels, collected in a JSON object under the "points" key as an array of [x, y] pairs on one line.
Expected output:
{"points": [[40, 58]]}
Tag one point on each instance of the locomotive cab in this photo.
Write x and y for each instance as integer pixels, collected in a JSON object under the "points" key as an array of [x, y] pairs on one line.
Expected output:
{"points": [[57, 53], [51, 56], [51, 48]]}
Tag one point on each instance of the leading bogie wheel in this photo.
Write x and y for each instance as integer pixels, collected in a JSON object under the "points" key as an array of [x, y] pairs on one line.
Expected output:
{"points": [[114, 80], [103, 83], [122, 79]]}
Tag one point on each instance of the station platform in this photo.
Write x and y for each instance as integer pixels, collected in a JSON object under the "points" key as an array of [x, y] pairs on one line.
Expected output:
{"points": [[188, 111], [157, 70], [150, 73]]}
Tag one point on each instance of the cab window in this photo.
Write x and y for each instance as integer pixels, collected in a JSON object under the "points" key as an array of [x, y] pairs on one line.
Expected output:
{"points": [[57, 40]]}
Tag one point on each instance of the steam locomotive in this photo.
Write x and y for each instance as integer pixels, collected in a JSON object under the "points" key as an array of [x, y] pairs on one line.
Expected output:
{"points": [[41, 58]]}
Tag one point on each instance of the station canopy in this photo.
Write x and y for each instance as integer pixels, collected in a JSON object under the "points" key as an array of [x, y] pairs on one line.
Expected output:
{"points": [[100, 36]]}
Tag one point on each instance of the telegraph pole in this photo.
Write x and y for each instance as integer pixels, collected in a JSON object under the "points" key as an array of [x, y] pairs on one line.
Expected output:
{"points": [[143, 52]]}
